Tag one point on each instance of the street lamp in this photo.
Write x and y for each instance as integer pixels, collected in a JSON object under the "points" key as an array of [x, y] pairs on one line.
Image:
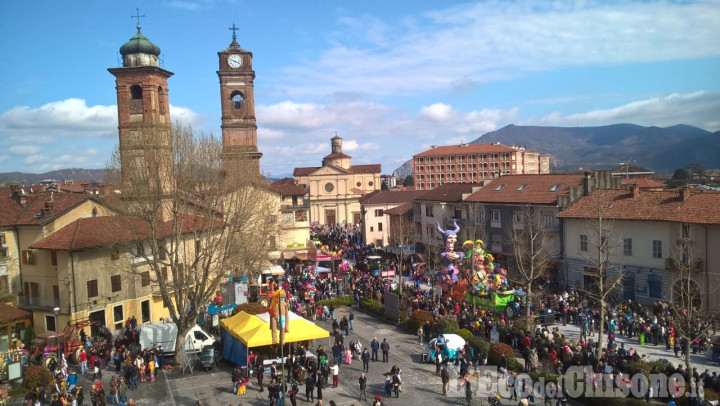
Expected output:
{"points": [[57, 330]]}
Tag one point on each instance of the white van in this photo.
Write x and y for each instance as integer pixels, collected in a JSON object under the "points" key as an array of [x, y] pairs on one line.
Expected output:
{"points": [[165, 335]]}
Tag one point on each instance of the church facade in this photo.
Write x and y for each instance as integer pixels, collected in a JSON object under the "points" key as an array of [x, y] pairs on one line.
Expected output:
{"points": [[336, 187]]}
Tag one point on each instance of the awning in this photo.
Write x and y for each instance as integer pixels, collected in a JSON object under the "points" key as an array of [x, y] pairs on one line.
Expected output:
{"points": [[254, 330]]}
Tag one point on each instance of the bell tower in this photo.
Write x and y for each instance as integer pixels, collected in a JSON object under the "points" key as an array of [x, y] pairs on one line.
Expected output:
{"points": [[240, 153], [143, 117]]}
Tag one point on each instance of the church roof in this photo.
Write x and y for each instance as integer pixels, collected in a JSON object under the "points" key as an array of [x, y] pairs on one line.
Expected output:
{"points": [[357, 169], [139, 44], [336, 156]]}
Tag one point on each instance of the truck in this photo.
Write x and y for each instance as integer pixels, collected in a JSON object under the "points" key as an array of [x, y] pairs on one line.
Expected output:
{"points": [[165, 335], [68, 340], [261, 290], [512, 303]]}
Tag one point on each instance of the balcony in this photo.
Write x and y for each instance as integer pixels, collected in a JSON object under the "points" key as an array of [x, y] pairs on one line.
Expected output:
{"points": [[38, 303], [674, 265], [305, 205]]}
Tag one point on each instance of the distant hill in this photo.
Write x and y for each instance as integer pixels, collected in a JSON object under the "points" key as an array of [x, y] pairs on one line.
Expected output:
{"points": [[571, 148], [60, 175], [405, 170]]}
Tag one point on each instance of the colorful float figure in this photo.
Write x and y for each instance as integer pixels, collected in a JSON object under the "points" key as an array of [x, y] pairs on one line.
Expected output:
{"points": [[450, 256]]}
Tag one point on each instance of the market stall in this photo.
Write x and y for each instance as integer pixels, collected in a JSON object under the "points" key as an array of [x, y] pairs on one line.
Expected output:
{"points": [[244, 331]]}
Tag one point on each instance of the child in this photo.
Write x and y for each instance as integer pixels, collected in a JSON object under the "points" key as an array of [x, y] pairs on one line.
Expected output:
{"points": [[241, 386], [151, 368]]}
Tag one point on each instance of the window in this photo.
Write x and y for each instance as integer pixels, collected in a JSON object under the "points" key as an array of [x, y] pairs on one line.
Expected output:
{"points": [[329, 187], [518, 217], [273, 243], [521, 188], [499, 188], [3, 246], [162, 251], [372, 229], [273, 218], [161, 100], [199, 335], [547, 220], [118, 316], [144, 311], [288, 217], [583, 242], [56, 295], [237, 99], [370, 183], [379, 226], [495, 219], [495, 215], [379, 212], [429, 211], [198, 247], [301, 215], [458, 213], [4, 280], [136, 99], [657, 249], [627, 247], [139, 249], [28, 257], [50, 324], [92, 288], [145, 278], [53, 258], [555, 188], [115, 283], [164, 273], [114, 253]]}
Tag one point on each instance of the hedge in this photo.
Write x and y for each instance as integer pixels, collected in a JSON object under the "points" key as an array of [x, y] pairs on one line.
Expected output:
{"points": [[497, 351], [479, 344], [342, 301], [446, 325], [465, 334], [37, 376], [419, 318], [373, 306]]}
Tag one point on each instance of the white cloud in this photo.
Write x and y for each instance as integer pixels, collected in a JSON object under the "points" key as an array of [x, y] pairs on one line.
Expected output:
{"points": [[24, 149], [184, 5], [436, 112], [184, 115], [3, 158], [90, 151], [463, 46], [33, 159], [70, 118], [268, 133], [350, 145], [699, 109]]}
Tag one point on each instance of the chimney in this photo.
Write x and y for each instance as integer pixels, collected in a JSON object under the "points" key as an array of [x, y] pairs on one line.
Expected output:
{"points": [[635, 190], [684, 193], [586, 184]]}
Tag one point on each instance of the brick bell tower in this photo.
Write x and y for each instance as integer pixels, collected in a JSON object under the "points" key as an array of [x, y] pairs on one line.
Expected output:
{"points": [[240, 153], [143, 117]]}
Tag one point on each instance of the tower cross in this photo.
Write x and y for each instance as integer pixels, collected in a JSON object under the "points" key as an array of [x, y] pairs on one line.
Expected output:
{"points": [[137, 15], [234, 29]]}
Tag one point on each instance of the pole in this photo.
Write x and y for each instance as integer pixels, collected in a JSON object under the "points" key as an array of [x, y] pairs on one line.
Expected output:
{"points": [[57, 330], [283, 386]]}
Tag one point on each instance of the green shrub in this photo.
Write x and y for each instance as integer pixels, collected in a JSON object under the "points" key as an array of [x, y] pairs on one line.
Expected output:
{"points": [[342, 301], [16, 391], [37, 376], [419, 318], [497, 351], [514, 365], [465, 334], [373, 306], [447, 325], [547, 376], [479, 344], [249, 308], [29, 336], [614, 401]]}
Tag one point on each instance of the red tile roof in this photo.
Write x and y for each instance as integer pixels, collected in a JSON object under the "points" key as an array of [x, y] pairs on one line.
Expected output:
{"points": [[700, 207], [538, 189], [93, 232], [336, 155], [372, 168], [400, 210], [391, 196], [466, 149], [287, 187], [12, 313], [12, 213], [449, 192], [644, 183]]}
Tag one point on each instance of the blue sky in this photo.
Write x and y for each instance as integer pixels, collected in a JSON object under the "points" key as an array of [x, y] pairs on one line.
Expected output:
{"points": [[392, 78]]}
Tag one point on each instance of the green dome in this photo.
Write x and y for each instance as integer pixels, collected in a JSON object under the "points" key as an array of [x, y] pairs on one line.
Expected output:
{"points": [[138, 44]]}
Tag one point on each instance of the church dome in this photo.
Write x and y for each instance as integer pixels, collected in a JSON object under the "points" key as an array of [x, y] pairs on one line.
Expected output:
{"points": [[139, 51]]}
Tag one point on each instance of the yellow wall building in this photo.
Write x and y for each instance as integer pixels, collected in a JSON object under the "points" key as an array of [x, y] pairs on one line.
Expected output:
{"points": [[336, 187]]}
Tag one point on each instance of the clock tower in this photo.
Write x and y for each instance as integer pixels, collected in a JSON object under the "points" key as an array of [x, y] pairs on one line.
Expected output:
{"points": [[240, 153]]}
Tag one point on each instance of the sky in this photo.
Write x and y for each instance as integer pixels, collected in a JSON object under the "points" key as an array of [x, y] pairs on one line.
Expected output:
{"points": [[390, 77]]}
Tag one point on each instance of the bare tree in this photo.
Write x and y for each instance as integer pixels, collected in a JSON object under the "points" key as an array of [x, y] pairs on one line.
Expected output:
{"points": [[474, 227], [531, 245], [192, 223], [689, 318], [402, 234], [600, 237]]}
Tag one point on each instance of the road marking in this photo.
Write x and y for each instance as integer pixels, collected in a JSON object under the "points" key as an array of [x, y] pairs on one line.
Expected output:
{"points": [[169, 389]]}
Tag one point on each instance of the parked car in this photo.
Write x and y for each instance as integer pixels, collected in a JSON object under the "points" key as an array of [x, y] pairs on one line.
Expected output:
{"points": [[210, 356]]}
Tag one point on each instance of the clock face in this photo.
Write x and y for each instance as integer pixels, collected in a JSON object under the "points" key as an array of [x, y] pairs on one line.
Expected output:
{"points": [[235, 61]]}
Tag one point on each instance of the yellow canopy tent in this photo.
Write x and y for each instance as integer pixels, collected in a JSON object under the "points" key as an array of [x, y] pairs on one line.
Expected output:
{"points": [[243, 331]]}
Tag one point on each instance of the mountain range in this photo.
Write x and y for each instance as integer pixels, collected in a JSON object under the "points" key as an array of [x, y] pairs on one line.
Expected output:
{"points": [[76, 174], [574, 149]]}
